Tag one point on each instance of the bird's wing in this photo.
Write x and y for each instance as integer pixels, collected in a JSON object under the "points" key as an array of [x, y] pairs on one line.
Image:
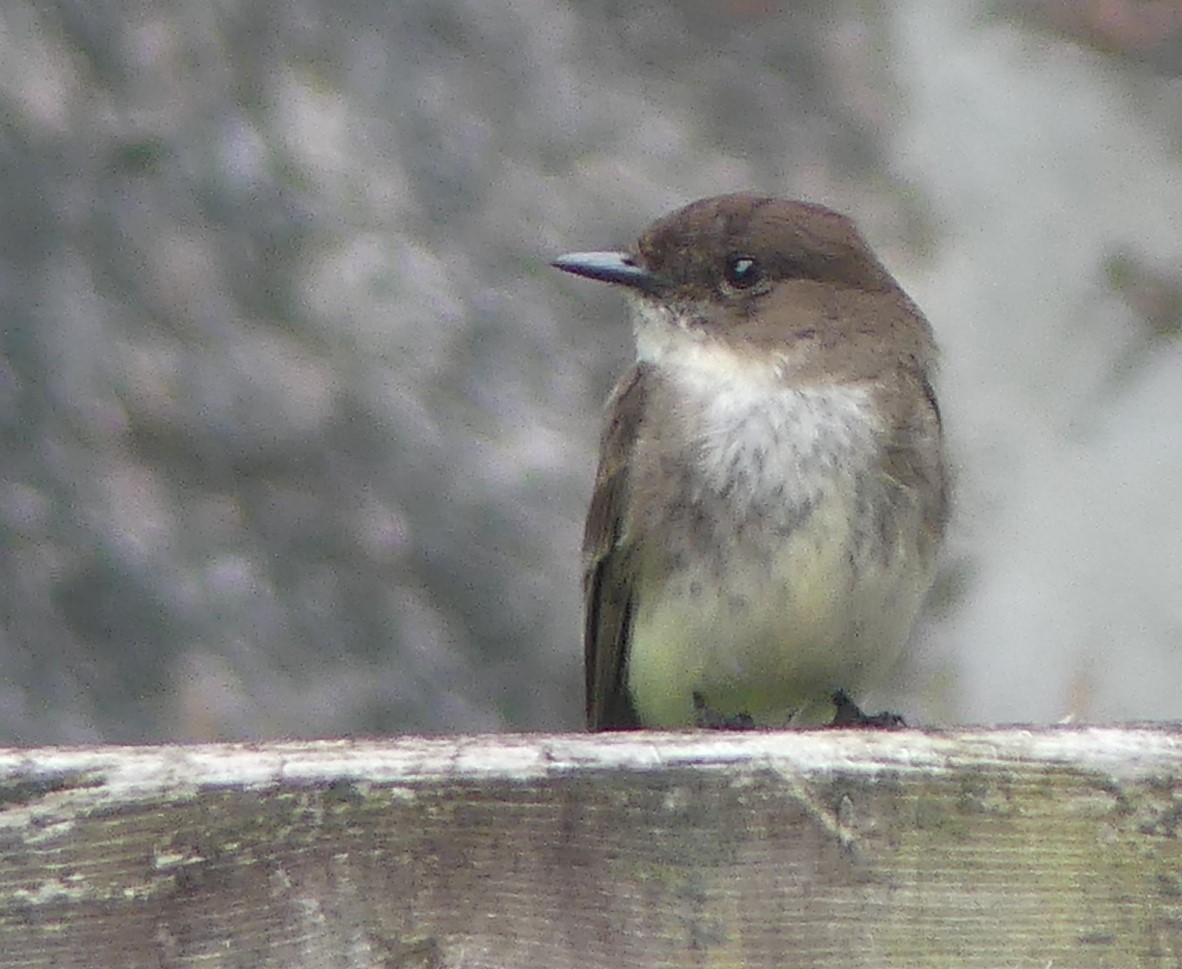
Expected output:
{"points": [[609, 566], [915, 456]]}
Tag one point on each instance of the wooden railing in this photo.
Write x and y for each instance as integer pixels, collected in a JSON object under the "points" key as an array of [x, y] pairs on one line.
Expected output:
{"points": [[1044, 848]]}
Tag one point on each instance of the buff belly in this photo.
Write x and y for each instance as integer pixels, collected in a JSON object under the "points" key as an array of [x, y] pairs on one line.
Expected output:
{"points": [[777, 623]]}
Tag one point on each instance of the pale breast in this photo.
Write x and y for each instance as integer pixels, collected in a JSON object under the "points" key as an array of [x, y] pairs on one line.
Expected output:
{"points": [[766, 448]]}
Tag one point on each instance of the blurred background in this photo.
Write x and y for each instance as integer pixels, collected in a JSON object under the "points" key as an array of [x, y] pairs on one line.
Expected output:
{"points": [[297, 428]]}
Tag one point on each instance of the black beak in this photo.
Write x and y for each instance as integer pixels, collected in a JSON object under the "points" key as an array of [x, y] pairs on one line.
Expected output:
{"points": [[608, 267]]}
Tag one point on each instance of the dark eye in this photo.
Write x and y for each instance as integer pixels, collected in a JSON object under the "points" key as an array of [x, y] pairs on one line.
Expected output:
{"points": [[742, 272]]}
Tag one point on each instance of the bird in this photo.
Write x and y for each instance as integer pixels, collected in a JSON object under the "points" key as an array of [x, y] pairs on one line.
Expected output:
{"points": [[771, 492]]}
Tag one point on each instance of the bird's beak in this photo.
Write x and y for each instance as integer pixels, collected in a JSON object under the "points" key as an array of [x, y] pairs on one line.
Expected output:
{"points": [[608, 267]]}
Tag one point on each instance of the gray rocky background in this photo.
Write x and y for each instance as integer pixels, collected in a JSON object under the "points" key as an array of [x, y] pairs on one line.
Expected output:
{"points": [[297, 427]]}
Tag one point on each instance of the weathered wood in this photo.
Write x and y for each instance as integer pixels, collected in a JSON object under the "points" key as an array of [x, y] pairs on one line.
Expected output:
{"points": [[1049, 847]]}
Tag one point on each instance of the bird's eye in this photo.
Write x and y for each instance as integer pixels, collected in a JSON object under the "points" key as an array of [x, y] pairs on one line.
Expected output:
{"points": [[742, 272]]}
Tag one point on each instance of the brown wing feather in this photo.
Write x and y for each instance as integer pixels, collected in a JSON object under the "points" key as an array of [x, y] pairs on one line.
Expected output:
{"points": [[608, 580], [914, 455]]}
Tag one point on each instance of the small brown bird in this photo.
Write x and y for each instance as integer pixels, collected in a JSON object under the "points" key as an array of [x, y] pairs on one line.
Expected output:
{"points": [[771, 487]]}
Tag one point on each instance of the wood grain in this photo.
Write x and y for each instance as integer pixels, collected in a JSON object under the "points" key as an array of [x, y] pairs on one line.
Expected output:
{"points": [[1046, 847]]}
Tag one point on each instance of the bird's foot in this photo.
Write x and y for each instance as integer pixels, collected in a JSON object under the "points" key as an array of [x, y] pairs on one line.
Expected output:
{"points": [[849, 714], [709, 719]]}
